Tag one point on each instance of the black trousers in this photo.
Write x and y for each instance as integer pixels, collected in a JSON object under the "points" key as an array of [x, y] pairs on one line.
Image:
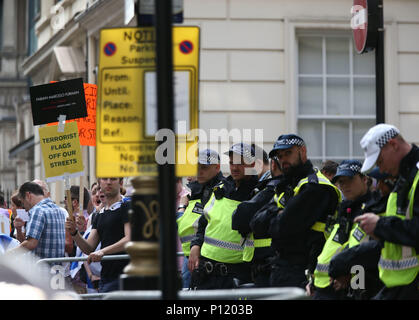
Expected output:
{"points": [[217, 275], [286, 274], [261, 273], [329, 293], [408, 292]]}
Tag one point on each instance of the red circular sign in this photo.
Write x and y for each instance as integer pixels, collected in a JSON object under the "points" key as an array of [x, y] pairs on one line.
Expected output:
{"points": [[109, 49], [186, 47], [359, 24]]}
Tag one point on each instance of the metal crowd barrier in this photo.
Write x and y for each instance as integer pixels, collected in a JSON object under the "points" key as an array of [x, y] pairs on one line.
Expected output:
{"points": [[221, 294], [225, 294], [104, 258], [72, 259]]}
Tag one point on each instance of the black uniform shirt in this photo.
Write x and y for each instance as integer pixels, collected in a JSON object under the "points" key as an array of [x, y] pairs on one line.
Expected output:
{"points": [[291, 232], [204, 191], [247, 209]]}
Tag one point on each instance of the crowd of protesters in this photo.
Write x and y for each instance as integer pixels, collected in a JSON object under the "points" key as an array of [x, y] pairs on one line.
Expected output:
{"points": [[38, 225]]}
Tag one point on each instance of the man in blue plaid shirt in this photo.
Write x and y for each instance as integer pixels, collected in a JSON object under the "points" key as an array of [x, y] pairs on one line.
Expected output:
{"points": [[45, 230]]}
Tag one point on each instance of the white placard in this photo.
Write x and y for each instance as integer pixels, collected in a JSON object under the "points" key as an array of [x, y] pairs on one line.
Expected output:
{"points": [[181, 82], [22, 214]]}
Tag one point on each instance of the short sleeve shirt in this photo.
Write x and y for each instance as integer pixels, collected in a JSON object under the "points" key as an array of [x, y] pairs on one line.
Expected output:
{"points": [[110, 227], [47, 225]]}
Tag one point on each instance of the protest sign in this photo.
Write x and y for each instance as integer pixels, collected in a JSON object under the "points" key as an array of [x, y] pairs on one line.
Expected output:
{"points": [[22, 214], [61, 152], [64, 98], [87, 125]]}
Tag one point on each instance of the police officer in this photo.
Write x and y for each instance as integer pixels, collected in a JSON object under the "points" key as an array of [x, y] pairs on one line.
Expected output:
{"points": [[262, 165], [399, 228], [192, 207], [297, 225], [354, 186], [362, 250], [384, 185], [258, 248], [216, 256]]}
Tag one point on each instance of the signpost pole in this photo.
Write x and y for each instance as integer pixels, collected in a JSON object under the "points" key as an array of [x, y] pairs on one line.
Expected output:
{"points": [[379, 66], [368, 30], [165, 112]]}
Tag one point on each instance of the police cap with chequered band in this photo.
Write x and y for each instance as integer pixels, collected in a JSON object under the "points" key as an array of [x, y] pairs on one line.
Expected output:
{"points": [[373, 141], [347, 168], [243, 149], [376, 174], [286, 141], [208, 156]]}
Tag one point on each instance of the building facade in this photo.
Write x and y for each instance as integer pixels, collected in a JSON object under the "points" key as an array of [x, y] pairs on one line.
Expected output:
{"points": [[13, 92], [278, 65]]}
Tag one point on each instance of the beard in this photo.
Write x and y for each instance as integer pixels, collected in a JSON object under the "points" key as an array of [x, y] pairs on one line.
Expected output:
{"points": [[293, 168]]}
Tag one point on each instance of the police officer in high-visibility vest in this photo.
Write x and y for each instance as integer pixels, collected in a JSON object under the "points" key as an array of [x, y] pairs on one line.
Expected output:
{"points": [[398, 266], [354, 186], [216, 257], [297, 227], [191, 207], [258, 248], [358, 263]]}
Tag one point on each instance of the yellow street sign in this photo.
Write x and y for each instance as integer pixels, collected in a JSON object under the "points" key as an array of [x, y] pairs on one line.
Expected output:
{"points": [[61, 152], [127, 102]]}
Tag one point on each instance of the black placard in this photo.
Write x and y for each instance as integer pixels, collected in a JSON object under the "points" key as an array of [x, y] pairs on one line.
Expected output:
{"points": [[49, 101]]}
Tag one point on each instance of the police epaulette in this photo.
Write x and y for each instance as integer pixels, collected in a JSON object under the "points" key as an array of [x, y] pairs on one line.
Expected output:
{"points": [[219, 191], [312, 178]]}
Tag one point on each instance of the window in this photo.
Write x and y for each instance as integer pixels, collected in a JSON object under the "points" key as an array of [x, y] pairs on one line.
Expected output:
{"points": [[1, 24], [33, 16], [336, 96]]}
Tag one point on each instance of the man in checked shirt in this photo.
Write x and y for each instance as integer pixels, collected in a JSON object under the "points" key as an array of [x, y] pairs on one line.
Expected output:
{"points": [[45, 230]]}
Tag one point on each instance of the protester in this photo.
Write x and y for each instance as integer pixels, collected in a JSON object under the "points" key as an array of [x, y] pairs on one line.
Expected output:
{"points": [[93, 269], [94, 191], [18, 223], [5, 216], [112, 228], [7, 242], [78, 284], [45, 230]]}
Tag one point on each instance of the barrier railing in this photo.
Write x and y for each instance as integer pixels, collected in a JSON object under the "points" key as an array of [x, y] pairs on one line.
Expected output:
{"points": [[72, 259], [221, 294], [104, 258], [225, 294]]}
